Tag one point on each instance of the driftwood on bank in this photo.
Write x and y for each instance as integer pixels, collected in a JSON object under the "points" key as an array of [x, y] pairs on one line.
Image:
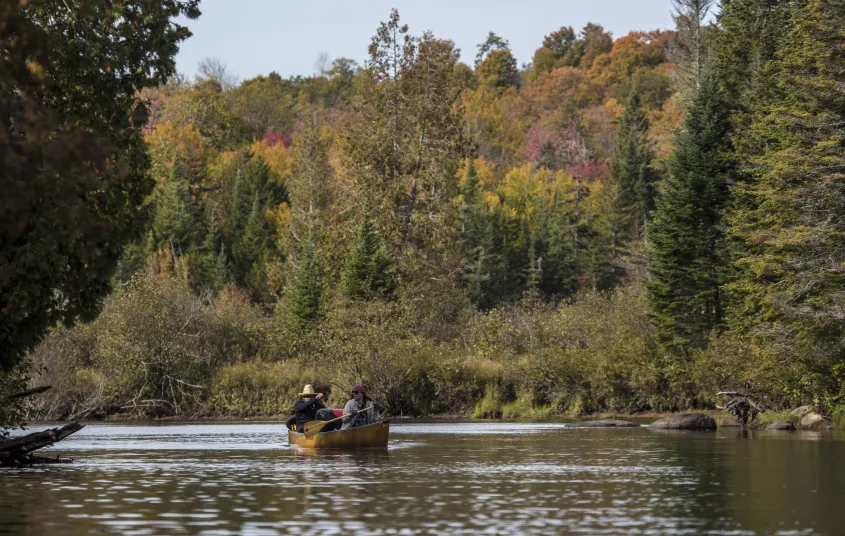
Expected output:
{"points": [[740, 406], [16, 451]]}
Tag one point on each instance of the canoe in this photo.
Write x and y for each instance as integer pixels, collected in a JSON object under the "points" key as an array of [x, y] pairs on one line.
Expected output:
{"points": [[372, 436]]}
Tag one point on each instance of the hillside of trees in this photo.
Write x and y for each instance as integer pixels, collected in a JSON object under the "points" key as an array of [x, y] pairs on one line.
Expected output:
{"points": [[621, 225]]}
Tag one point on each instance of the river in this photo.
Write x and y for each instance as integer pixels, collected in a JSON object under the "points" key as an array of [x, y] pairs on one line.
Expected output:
{"points": [[436, 478]]}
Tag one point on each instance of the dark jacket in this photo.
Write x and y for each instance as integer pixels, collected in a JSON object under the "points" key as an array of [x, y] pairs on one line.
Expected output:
{"points": [[306, 411]]}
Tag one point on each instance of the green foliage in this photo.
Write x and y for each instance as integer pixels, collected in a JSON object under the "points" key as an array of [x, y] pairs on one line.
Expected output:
{"points": [[303, 294], [248, 236], [688, 251], [74, 164], [498, 71], [207, 109], [262, 388], [176, 221], [631, 166], [264, 103], [367, 273], [789, 216], [12, 412], [152, 351]]}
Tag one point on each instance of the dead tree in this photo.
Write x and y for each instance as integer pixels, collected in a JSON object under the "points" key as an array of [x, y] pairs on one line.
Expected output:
{"points": [[740, 405], [17, 451]]}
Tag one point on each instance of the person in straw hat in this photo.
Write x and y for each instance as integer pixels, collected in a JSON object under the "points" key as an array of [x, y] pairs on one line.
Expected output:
{"points": [[360, 401], [307, 406]]}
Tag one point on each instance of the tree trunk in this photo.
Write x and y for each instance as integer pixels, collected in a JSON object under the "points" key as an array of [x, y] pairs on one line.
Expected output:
{"points": [[15, 451]]}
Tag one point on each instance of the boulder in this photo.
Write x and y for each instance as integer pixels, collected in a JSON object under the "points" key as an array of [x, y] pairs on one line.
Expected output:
{"points": [[784, 426], [813, 421], [686, 421], [606, 423], [803, 410]]}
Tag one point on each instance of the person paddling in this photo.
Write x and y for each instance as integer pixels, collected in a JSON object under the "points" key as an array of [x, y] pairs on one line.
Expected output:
{"points": [[307, 406], [360, 401]]}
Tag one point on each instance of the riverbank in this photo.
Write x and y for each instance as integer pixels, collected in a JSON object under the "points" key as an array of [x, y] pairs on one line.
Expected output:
{"points": [[722, 419], [159, 350]]}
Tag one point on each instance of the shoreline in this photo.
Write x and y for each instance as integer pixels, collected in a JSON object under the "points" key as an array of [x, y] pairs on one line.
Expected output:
{"points": [[643, 418]]}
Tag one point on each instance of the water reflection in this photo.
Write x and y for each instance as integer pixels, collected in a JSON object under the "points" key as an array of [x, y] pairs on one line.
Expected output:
{"points": [[446, 478]]}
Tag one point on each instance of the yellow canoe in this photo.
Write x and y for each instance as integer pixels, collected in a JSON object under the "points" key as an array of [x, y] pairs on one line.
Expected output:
{"points": [[373, 436]]}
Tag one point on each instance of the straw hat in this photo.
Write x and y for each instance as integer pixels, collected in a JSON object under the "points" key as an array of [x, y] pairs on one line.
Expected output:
{"points": [[308, 390]]}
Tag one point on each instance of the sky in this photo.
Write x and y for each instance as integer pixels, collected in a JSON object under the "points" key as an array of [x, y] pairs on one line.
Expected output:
{"points": [[253, 37]]}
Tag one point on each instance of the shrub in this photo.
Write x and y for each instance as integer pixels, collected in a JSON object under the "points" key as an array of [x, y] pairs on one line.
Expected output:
{"points": [[261, 388]]}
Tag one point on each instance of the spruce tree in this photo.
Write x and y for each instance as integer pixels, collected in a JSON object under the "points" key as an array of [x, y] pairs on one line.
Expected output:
{"points": [[552, 268], [631, 166], [177, 218], [367, 272], [687, 234], [791, 215], [600, 262], [250, 252], [303, 293], [480, 258]]}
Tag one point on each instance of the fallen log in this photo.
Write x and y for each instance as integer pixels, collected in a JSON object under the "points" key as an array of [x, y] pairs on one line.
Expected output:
{"points": [[16, 451]]}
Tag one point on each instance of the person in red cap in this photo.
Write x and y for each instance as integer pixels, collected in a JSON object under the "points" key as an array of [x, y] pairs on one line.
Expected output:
{"points": [[355, 409]]}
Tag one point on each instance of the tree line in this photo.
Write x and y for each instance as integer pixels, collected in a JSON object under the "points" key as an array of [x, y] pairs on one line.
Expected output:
{"points": [[690, 178]]}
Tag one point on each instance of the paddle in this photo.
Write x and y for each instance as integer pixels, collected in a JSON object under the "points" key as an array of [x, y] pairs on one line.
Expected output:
{"points": [[313, 428]]}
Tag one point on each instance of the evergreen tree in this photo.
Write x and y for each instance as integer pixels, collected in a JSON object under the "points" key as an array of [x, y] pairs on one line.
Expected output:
{"points": [[751, 33], [74, 163], [251, 251], [552, 268], [367, 272], [790, 218], [601, 259], [631, 166], [303, 294], [177, 216], [686, 237], [209, 266], [249, 241]]}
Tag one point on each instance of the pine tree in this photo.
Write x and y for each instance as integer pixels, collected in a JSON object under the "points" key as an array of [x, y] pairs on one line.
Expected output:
{"points": [[175, 223], [687, 247], [249, 240], [552, 268], [367, 272], [791, 215], [631, 166], [303, 294], [250, 252], [601, 259]]}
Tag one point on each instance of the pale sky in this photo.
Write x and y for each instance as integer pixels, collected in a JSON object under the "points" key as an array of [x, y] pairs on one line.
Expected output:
{"points": [[255, 37]]}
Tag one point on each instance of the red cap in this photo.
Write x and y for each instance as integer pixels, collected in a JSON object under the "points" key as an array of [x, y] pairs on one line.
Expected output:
{"points": [[360, 388]]}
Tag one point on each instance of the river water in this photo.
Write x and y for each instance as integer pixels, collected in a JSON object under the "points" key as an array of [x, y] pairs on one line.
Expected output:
{"points": [[436, 478]]}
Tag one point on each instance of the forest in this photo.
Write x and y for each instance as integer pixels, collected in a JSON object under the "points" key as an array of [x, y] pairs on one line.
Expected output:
{"points": [[622, 224]]}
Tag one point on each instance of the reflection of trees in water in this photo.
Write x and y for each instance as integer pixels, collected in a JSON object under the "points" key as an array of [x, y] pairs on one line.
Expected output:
{"points": [[787, 480], [761, 481]]}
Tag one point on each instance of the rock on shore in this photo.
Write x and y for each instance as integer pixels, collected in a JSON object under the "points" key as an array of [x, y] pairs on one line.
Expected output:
{"points": [[686, 421], [784, 426], [814, 421]]}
